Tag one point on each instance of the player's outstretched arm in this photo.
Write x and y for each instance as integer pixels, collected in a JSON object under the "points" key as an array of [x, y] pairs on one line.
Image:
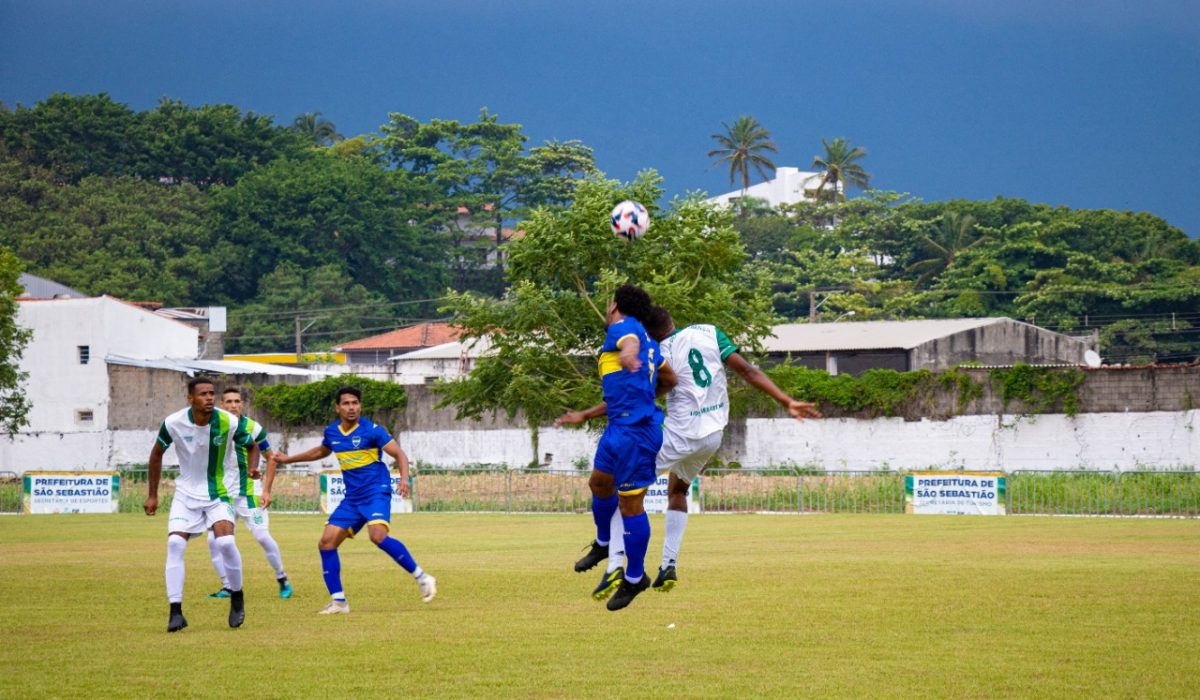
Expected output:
{"points": [[392, 449], [758, 379], [155, 467], [312, 455], [578, 417]]}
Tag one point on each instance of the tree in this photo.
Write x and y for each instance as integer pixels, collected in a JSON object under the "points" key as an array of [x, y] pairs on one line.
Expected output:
{"points": [[14, 406], [743, 146], [952, 235], [841, 167], [544, 333], [74, 136], [318, 130]]}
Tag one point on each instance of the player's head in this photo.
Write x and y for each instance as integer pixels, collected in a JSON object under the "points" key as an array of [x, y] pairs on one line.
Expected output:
{"points": [[202, 394], [630, 300], [348, 401], [659, 324], [232, 399]]}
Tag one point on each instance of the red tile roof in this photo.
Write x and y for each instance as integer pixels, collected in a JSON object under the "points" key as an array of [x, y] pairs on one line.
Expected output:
{"points": [[420, 335]]}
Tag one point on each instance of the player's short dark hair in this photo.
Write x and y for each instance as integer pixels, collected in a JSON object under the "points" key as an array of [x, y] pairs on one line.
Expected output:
{"points": [[197, 381], [233, 390], [633, 301], [352, 390], [658, 323]]}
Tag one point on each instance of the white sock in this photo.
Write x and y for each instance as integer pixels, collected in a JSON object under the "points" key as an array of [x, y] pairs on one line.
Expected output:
{"points": [[418, 573], [271, 548], [175, 548], [233, 561], [218, 561], [676, 522], [616, 542]]}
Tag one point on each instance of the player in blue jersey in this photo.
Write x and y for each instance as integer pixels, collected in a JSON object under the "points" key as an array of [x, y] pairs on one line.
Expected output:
{"points": [[358, 444], [631, 371]]}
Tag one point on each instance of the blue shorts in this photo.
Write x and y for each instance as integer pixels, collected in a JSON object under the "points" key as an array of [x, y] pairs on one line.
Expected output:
{"points": [[354, 514], [628, 453]]}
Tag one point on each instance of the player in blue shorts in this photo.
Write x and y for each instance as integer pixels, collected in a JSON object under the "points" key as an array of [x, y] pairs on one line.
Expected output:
{"points": [[631, 370], [358, 443]]}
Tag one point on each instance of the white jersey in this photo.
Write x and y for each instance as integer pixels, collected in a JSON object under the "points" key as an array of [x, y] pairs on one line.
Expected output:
{"points": [[206, 452], [698, 406]]}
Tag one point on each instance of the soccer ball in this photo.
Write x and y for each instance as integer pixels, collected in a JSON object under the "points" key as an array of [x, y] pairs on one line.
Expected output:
{"points": [[630, 220]]}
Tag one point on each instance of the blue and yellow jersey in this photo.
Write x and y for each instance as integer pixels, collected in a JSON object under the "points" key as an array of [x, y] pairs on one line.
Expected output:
{"points": [[360, 455], [629, 395]]}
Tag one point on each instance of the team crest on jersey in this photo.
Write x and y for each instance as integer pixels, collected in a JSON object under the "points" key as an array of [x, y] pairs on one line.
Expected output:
{"points": [[356, 441], [218, 438]]}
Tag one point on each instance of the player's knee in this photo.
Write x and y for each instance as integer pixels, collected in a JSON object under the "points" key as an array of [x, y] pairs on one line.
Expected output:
{"points": [[601, 484], [378, 534]]}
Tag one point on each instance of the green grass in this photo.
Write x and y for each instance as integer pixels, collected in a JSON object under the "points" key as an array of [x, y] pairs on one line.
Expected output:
{"points": [[768, 606]]}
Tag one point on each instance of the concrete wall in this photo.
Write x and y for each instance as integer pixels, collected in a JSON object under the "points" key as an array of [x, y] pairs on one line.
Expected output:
{"points": [[1001, 343], [143, 396]]}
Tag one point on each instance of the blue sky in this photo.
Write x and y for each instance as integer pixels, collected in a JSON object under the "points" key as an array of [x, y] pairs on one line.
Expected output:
{"points": [[1087, 104]]}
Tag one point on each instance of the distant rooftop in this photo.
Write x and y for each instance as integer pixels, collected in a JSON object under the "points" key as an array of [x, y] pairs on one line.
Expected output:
{"points": [[420, 335], [867, 335], [41, 288]]}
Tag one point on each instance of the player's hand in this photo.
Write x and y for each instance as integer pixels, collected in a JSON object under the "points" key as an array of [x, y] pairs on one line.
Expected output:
{"points": [[255, 473], [151, 506], [278, 457], [265, 499], [802, 409], [570, 418], [402, 489]]}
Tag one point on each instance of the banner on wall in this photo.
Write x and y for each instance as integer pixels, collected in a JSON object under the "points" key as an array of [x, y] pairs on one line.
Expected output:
{"points": [[51, 493], [954, 493], [333, 490], [656, 496]]}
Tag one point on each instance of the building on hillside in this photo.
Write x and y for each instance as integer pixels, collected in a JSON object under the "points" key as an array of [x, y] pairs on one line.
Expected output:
{"points": [[35, 287], [933, 344], [789, 186], [448, 361], [210, 325], [378, 349]]}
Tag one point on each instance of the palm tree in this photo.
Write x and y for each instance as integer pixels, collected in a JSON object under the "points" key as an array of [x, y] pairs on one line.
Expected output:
{"points": [[841, 167], [743, 145], [319, 129], [954, 234]]}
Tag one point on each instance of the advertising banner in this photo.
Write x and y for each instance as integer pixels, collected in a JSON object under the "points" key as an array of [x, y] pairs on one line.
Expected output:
{"points": [[656, 496], [48, 493], [954, 493], [333, 490]]}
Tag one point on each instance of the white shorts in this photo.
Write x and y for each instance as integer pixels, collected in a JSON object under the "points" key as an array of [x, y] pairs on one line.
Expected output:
{"points": [[685, 457], [195, 515], [255, 518]]}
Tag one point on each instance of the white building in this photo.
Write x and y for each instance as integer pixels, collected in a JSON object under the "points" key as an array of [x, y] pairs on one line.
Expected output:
{"points": [[65, 358], [790, 186]]}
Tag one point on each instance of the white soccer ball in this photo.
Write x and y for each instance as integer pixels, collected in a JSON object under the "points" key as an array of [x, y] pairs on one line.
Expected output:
{"points": [[630, 220]]}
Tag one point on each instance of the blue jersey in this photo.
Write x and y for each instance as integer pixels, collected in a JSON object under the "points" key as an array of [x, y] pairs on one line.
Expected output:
{"points": [[629, 395], [359, 453]]}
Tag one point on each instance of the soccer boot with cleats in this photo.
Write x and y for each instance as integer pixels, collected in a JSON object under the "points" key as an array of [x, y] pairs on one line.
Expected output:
{"points": [[176, 621], [608, 583], [665, 580], [285, 588], [596, 553], [336, 607], [428, 586], [627, 592], [237, 609], [223, 593]]}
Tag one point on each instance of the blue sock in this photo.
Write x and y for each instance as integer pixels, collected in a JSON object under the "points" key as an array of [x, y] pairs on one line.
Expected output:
{"points": [[602, 512], [637, 541], [396, 550], [331, 568]]}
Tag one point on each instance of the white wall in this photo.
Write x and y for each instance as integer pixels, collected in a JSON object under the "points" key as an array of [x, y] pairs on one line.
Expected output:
{"points": [[58, 385], [787, 187], [1104, 441]]}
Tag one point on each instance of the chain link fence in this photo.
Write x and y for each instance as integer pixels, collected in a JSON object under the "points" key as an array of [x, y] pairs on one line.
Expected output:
{"points": [[298, 490]]}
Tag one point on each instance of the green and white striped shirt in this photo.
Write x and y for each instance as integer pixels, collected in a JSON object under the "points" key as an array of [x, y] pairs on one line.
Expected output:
{"points": [[206, 452]]}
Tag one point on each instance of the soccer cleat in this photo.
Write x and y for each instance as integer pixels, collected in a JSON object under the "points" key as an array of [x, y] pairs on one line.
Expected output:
{"points": [[285, 588], [665, 580], [595, 555], [237, 609], [627, 592], [428, 586], [608, 584], [223, 593], [337, 607], [176, 621]]}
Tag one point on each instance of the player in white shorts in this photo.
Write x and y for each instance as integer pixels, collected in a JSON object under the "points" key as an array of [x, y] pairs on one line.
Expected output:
{"points": [[697, 413], [251, 509], [204, 438]]}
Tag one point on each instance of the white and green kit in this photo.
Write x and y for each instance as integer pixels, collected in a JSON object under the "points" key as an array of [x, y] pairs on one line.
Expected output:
{"points": [[698, 406]]}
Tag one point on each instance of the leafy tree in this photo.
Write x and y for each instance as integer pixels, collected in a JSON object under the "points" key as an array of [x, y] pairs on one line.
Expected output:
{"points": [[14, 405], [545, 331], [842, 168], [742, 146], [952, 235], [317, 130], [74, 136]]}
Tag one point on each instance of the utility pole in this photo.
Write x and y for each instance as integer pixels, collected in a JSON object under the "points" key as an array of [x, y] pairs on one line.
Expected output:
{"points": [[299, 337], [813, 304]]}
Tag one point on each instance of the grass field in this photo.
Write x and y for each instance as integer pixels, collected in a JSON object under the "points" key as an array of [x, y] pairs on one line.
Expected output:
{"points": [[768, 606]]}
